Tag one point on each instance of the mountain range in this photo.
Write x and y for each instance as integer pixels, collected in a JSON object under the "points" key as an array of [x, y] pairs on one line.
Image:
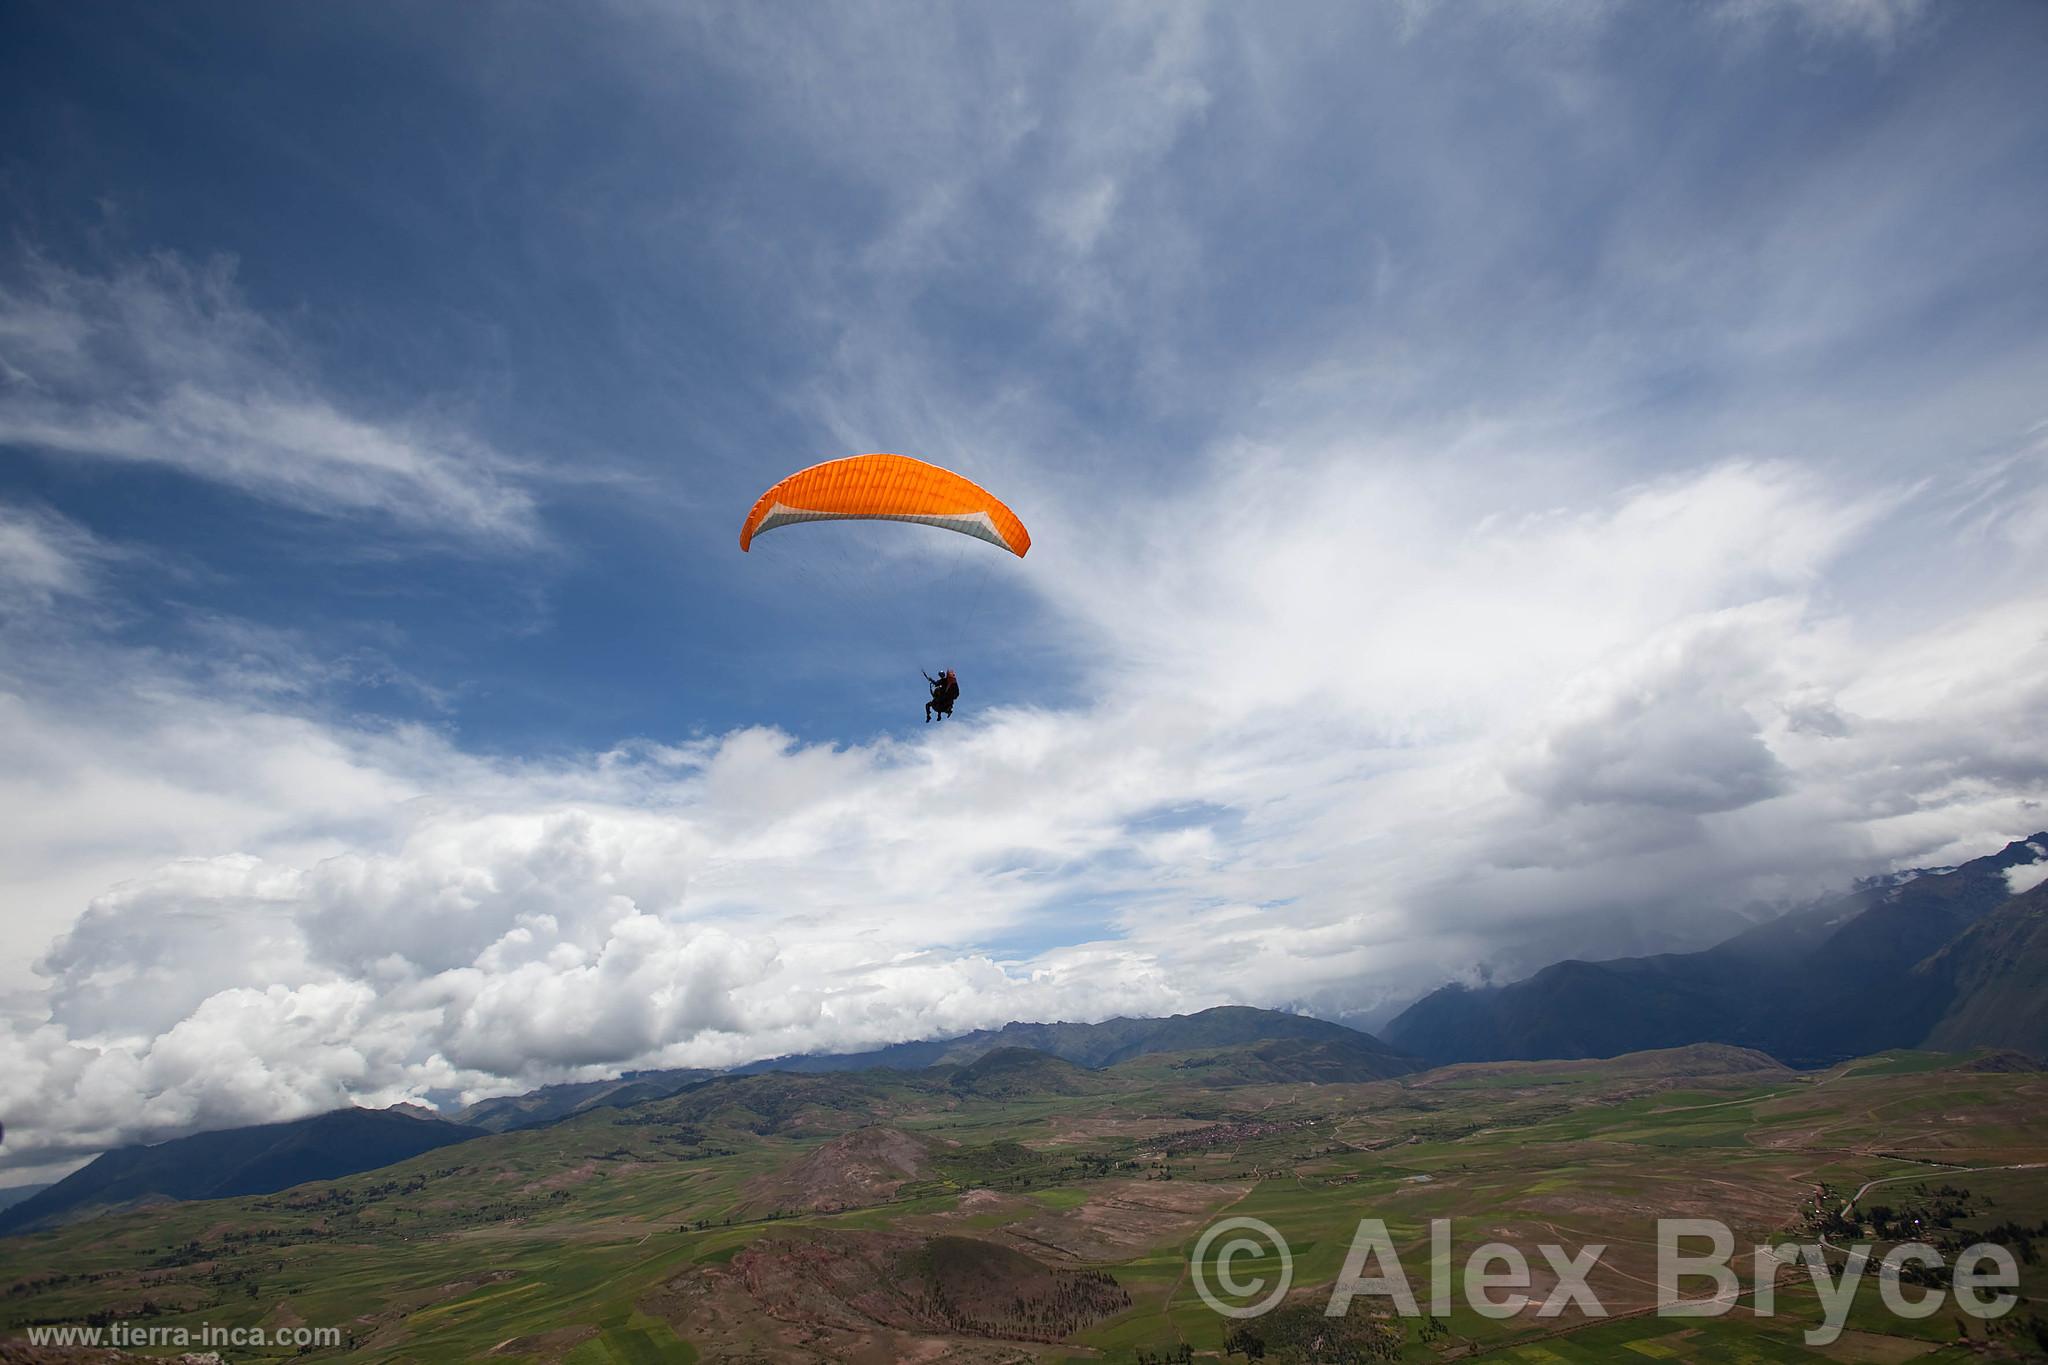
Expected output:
{"points": [[552, 1103], [1229, 1045], [15, 1194], [1993, 978], [255, 1160], [1946, 957], [1092, 1045], [1089, 1046]]}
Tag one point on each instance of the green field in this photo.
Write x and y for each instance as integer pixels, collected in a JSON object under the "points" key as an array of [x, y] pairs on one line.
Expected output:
{"points": [[677, 1231]]}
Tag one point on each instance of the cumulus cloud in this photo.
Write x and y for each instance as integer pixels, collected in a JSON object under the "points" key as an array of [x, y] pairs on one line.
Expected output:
{"points": [[566, 936], [411, 919], [161, 361]]}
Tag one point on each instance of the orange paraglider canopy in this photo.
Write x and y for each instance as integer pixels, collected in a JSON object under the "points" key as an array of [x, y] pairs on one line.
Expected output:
{"points": [[887, 488]]}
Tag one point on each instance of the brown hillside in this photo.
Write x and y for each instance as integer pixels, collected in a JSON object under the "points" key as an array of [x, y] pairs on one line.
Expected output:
{"points": [[840, 1287], [865, 1166]]}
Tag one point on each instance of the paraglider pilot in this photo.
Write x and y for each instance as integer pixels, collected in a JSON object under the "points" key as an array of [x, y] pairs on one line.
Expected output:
{"points": [[945, 691]]}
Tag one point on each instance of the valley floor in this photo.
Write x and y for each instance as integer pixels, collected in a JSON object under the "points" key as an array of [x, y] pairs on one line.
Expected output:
{"points": [[885, 1217]]}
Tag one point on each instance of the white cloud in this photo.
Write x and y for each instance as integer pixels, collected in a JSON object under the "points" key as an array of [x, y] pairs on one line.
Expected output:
{"points": [[162, 362], [1293, 786], [44, 556], [1882, 24]]}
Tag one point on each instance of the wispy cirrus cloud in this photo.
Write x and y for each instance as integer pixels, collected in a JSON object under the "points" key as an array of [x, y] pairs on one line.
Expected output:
{"points": [[44, 556], [159, 361]]}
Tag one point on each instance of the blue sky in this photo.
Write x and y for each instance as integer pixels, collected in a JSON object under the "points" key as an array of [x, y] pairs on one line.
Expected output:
{"points": [[1507, 481]]}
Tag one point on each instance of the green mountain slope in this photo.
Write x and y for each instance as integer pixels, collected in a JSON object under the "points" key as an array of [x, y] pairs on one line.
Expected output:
{"points": [[1836, 980], [237, 1161], [1095, 1045], [1321, 1061], [1994, 977], [1013, 1071], [551, 1103]]}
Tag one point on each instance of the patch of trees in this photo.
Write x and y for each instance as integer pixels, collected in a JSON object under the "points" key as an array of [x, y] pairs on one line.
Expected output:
{"points": [[674, 1134], [1072, 1300], [679, 1131], [1301, 1333], [2037, 1328], [348, 1196], [44, 1283], [1230, 1134], [1183, 1354], [185, 1253], [105, 1317], [995, 1166], [694, 1152], [1821, 1213], [1926, 1216], [2018, 1237]]}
